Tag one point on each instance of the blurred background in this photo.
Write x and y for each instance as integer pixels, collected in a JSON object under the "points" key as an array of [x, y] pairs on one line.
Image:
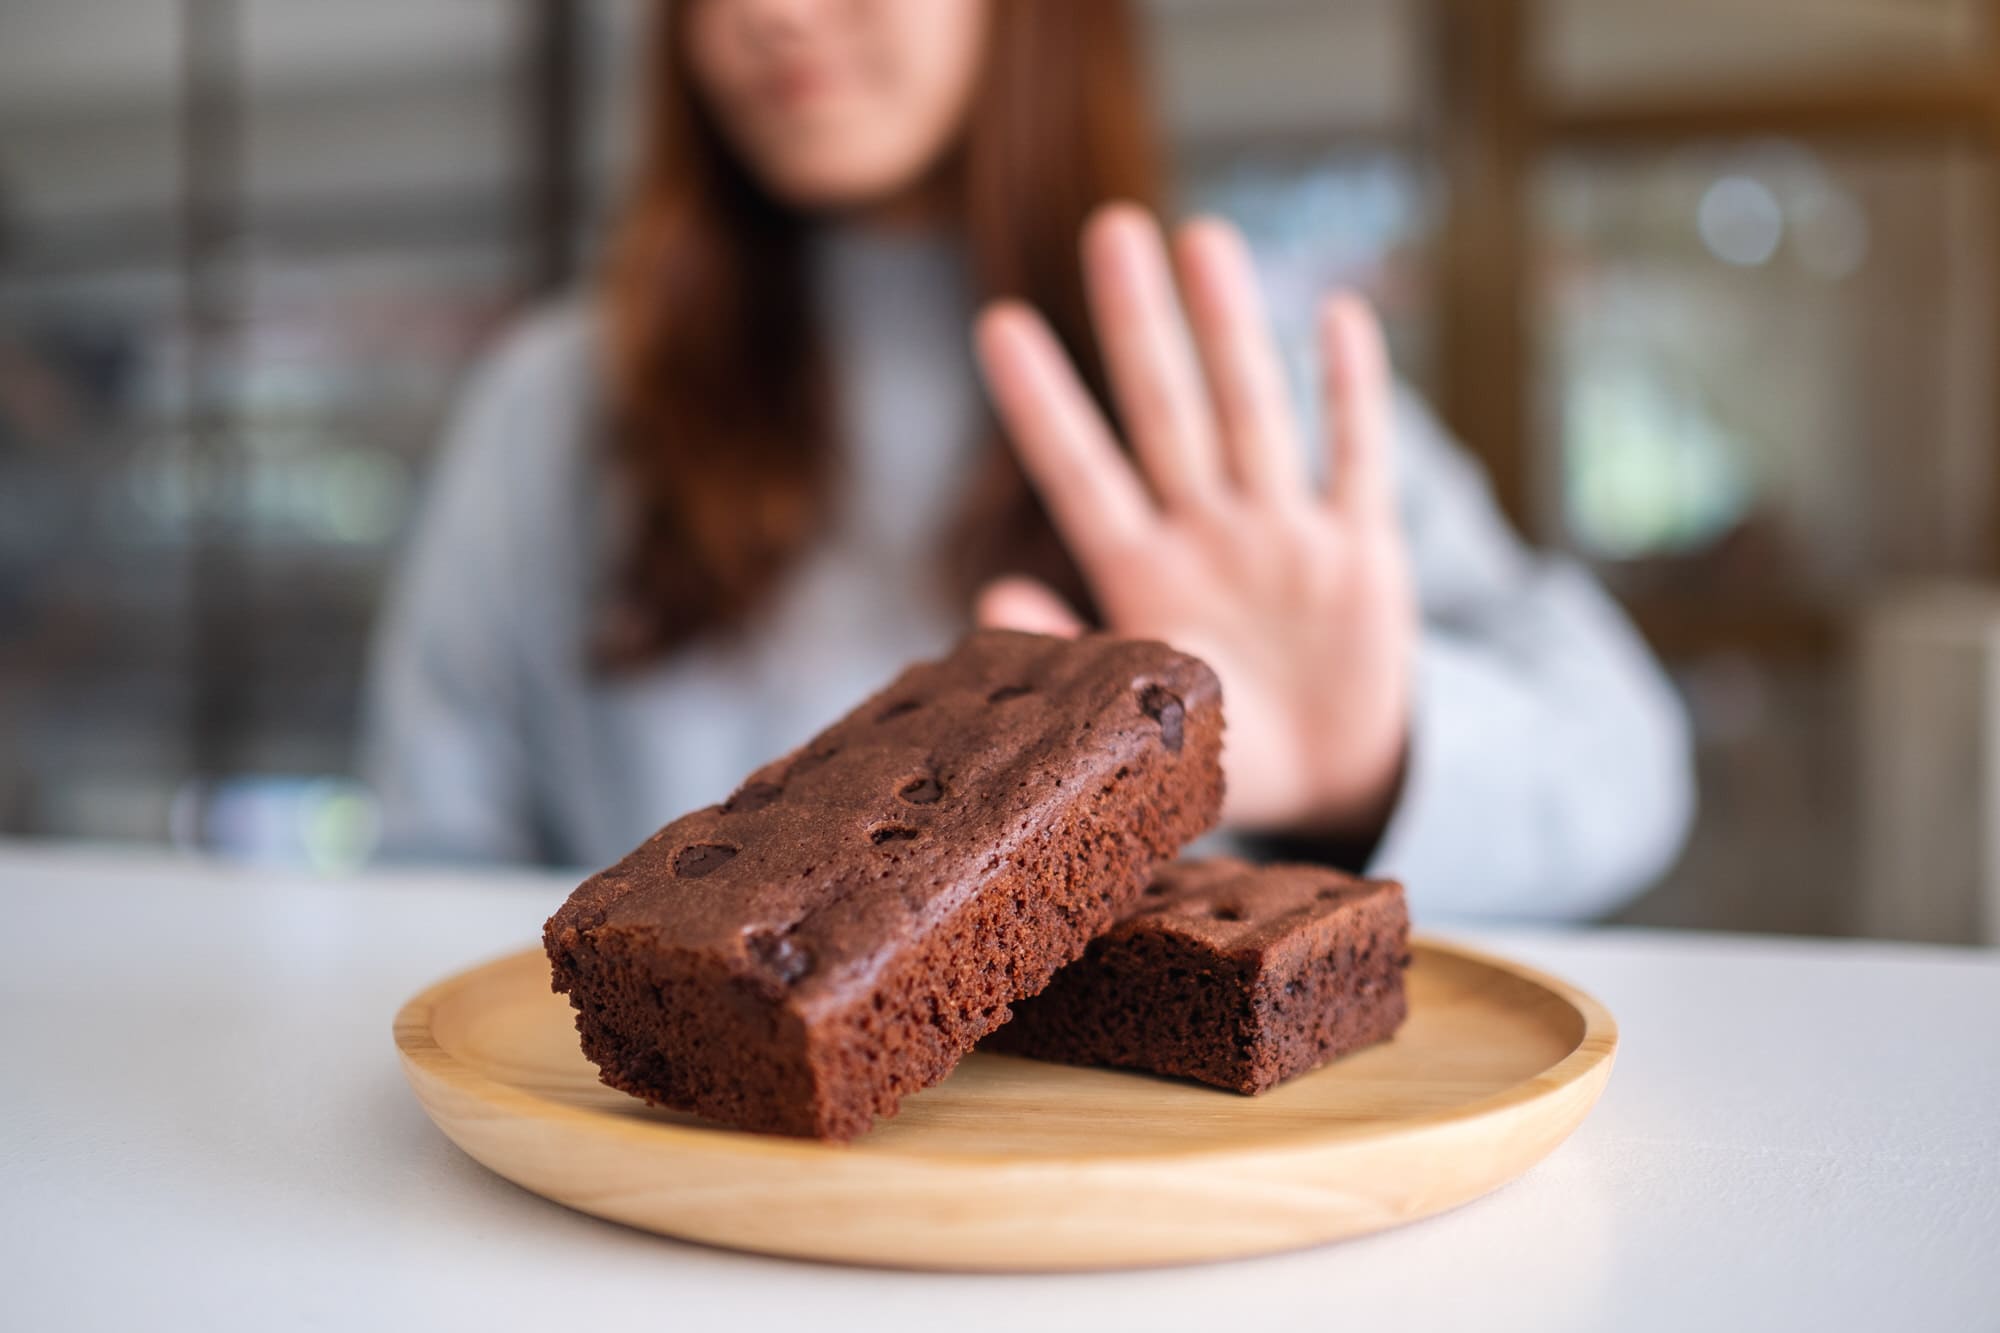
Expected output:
{"points": [[1712, 287]]}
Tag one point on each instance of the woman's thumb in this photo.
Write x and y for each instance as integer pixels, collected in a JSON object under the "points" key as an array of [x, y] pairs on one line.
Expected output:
{"points": [[1024, 604]]}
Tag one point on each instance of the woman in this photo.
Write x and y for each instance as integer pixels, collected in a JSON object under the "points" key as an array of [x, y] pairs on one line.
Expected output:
{"points": [[677, 531]]}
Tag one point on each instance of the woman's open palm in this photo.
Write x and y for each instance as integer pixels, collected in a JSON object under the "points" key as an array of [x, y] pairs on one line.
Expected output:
{"points": [[1218, 542]]}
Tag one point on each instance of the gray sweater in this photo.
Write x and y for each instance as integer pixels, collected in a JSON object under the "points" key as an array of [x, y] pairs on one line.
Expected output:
{"points": [[1549, 772]]}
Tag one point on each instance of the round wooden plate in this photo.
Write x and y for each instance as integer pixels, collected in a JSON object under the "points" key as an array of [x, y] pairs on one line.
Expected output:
{"points": [[1010, 1164]]}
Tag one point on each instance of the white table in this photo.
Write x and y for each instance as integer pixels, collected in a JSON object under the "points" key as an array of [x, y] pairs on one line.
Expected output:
{"points": [[203, 1125]]}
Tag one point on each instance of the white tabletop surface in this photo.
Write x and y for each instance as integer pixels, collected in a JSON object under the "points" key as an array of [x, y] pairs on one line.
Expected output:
{"points": [[203, 1125]]}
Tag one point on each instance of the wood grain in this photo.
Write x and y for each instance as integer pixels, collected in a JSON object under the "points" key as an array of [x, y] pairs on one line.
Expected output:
{"points": [[1010, 1164]]}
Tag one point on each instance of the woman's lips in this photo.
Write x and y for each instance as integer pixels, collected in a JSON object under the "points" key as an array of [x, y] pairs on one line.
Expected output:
{"points": [[795, 86]]}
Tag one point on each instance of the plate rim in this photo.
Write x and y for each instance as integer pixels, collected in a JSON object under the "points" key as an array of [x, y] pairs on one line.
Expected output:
{"points": [[1595, 1049]]}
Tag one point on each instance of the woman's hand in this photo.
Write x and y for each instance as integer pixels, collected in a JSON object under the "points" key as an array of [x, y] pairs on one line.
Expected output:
{"points": [[1299, 598]]}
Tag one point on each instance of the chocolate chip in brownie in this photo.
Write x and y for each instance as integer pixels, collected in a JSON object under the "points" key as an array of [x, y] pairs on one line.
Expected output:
{"points": [[1165, 708], [922, 790], [780, 955], [702, 858]]}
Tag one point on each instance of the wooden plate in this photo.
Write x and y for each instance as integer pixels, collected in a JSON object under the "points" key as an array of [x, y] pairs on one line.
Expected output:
{"points": [[1010, 1164]]}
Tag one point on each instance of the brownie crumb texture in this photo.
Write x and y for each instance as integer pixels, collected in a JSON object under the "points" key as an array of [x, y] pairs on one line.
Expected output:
{"points": [[840, 931], [1236, 975]]}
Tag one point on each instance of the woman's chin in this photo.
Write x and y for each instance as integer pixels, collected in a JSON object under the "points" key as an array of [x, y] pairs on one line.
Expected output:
{"points": [[849, 190]]}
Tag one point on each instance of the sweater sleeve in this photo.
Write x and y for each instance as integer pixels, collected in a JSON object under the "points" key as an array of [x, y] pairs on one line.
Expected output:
{"points": [[444, 736], [1549, 773]]}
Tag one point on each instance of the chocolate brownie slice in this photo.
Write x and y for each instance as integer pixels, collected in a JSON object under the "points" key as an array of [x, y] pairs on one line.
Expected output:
{"points": [[1229, 973], [838, 933]]}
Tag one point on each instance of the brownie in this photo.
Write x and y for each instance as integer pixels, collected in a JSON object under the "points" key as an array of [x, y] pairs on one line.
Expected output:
{"points": [[1233, 974], [838, 933]]}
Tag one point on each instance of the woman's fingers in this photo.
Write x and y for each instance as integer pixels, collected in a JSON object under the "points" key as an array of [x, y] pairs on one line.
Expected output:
{"points": [[1245, 374], [1026, 604], [1358, 409], [1094, 498], [1147, 355]]}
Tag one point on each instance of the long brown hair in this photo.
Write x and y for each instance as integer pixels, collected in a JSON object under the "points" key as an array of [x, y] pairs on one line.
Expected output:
{"points": [[721, 414]]}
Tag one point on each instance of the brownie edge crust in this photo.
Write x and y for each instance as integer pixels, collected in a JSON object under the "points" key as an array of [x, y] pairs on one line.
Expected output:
{"points": [[1237, 975], [842, 929]]}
